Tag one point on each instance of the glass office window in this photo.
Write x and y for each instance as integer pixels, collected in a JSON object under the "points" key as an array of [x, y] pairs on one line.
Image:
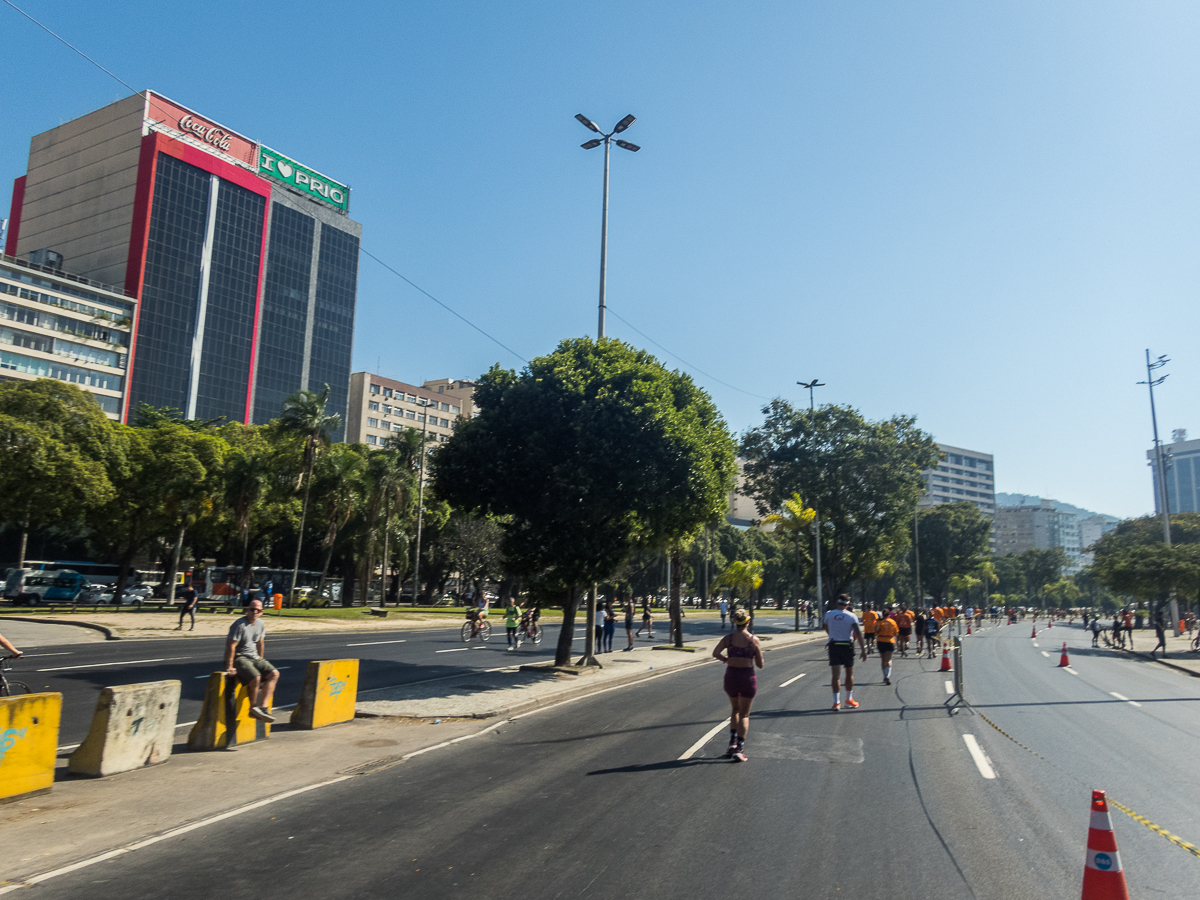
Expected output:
{"points": [[333, 321], [284, 311]]}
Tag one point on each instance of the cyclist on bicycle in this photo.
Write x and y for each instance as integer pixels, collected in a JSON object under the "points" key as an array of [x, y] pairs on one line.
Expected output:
{"points": [[530, 622], [476, 615], [7, 645]]}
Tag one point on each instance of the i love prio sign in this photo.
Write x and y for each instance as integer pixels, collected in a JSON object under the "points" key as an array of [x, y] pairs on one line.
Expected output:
{"points": [[279, 168]]}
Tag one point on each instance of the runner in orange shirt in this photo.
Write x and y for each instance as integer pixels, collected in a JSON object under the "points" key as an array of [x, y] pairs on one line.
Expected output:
{"points": [[886, 631], [904, 622], [869, 618]]}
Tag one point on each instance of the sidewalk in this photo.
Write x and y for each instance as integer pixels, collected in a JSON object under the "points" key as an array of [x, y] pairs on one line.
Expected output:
{"points": [[1178, 656], [81, 818]]}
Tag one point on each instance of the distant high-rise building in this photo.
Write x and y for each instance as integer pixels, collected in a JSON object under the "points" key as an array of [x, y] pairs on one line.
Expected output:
{"points": [[961, 476], [244, 262], [1181, 458], [381, 406], [1091, 529], [1041, 527]]}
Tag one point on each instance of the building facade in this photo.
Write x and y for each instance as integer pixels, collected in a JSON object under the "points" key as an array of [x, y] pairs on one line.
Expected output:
{"points": [[1181, 459], [380, 406], [1091, 529], [1028, 527], [961, 475], [244, 262], [55, 325]]}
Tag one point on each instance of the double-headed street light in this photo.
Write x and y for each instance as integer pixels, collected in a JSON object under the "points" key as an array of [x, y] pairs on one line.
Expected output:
{"points": [[605, 139], [816, 518]]}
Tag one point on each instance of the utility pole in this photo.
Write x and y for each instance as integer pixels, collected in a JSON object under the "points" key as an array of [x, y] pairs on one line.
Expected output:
{"points": [[420, 499], [817, 516], [1160, 471]]}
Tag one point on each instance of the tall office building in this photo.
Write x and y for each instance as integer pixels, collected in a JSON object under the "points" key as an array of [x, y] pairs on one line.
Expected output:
{"points": [[244, 261], [1181, 459], [1038, 527]]}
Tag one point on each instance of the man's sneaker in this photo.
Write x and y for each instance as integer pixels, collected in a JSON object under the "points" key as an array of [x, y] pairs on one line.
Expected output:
{"points": [[739, 755], [732, 748], [853, 704], [836, 707], [257, 712], [887, 681]]}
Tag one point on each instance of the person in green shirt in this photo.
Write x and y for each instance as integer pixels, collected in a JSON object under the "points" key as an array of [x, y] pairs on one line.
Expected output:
{"points": [[512, 618]]}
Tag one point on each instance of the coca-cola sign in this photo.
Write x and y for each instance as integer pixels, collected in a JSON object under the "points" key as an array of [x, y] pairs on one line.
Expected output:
{"points": [[168, 116], [210, 134]]}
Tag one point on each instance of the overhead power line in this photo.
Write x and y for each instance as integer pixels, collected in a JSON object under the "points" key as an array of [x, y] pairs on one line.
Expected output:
{"points": [[72, 46]]}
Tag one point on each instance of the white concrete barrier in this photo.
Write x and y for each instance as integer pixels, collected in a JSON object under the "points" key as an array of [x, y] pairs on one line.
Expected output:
{"points": [[134, 726]]}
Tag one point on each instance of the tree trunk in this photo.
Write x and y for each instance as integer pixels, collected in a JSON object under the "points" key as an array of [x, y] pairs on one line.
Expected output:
{"points": [[384, 573], [589, 641], [173, 569], [24, 544], [300, 538], [673, 588], [562, 653]]}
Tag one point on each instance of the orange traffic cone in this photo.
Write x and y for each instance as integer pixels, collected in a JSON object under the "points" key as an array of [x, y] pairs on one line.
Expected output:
{"points": [[945, 660], [1034, 632], [968, 626], [1103, 877], [1063, 660]]}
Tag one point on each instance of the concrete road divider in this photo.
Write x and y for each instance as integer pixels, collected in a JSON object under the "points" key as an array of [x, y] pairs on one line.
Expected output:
{"points": [[225, 719], [329, 694], [28, 743], [133, 726]]}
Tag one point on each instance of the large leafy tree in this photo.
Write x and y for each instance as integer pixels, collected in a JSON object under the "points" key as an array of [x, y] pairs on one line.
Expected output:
{"points": [[1133, 559], [587, 451], [305, 416], [55, 443], [954, 542], [794, 523], [863, 478]]}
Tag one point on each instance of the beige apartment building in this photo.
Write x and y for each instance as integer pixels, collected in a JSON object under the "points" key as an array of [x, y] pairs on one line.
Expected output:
{"points": [[61, 326], [380, 406], [961, 475]]}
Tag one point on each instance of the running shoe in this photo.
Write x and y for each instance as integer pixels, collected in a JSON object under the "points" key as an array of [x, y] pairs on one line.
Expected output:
{"points": [[887, 681], [739, 755], [836, 707], [732, 748], [853, 704]]}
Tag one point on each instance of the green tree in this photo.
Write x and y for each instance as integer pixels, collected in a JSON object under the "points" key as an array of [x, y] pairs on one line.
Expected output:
{"points": [[794, 523], [56, 444], [742, 577], [954, 542], [1042, 567], [863, 479], [1062, 593], [339, 490], [588, 451], [1133, 559], [304, 415]]}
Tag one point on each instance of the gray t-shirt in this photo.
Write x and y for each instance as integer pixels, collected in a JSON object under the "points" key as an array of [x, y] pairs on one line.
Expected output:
{"points": [[247, 636]]}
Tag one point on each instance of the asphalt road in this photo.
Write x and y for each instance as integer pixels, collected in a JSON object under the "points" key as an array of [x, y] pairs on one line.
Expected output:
{"points": [[388, 658], [600, 798]]}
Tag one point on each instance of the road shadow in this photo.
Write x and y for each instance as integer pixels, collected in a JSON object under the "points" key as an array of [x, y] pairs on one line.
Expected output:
{"points": [[666, 765]]}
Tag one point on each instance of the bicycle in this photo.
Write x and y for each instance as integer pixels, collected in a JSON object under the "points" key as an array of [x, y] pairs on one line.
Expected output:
{"points": [[8, 687], [534, 636], [476, 628]]}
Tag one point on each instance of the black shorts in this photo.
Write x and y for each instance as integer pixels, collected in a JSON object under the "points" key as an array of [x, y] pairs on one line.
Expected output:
{"points": [[841, 654], [885, 646], [905, 632], [740, 681]]}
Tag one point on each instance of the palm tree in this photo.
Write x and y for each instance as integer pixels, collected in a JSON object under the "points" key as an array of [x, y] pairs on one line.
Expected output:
{"points": [[304, 415], [742, 575], [794, 520], [339, 482], [391, 477]]}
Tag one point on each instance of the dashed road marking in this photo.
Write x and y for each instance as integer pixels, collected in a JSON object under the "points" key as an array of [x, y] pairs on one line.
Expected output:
{"points": [[709, 735], [125, 662], [790, 680], [981, 761], [1069, 669], [373, 643], [1123, 697], [949, 687], [1044, 653]]}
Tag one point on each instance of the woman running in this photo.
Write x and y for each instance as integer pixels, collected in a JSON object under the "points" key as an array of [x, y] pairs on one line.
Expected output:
{"points": [[647, 619], [886, 632], [629, 611], [741, 653]]}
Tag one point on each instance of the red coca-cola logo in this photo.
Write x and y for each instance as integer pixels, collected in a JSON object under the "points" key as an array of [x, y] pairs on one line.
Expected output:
{"points": [[210, 134]]}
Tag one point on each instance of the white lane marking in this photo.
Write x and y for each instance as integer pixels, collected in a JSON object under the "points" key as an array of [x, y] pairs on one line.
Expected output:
{"points": [[453, 650], [67, 747], [982, 763], [790, 680], [949, 687], [708, 736], [1035, 643], [1123, 697], [1069, 669], [138, 845], [373, 643], [39, 655], [1044, 653], [128, 662]]}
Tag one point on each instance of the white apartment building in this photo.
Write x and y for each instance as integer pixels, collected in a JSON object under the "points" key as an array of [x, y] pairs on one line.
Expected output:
{"points": [[962, 475], [55, 325], [1041, 527], [380, 406]]}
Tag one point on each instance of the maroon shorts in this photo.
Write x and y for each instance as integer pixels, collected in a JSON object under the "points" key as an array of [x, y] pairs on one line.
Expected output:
{"points": [[740, 682]]}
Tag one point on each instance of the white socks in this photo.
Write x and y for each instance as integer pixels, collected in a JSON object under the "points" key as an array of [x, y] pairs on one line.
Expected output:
{"points": [[849, 696], [837, 697], [887, 672]]}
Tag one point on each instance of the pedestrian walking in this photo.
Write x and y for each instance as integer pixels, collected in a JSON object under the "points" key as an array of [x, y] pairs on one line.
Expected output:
{"points": [[610, 627], [904, 623], [919, 629], [1118, 640], [1127, 621], [1160, 630], [190, 600], [512, 620], [741, 652], [843, 629], [1095, 629], [723, 606], [598, 624], [245, 649], [869, 620], [647, 619], [630, 609]]}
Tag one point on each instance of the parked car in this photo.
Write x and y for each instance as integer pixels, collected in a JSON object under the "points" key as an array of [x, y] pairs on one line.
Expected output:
{"points": [[134, 595], [34, 589]]}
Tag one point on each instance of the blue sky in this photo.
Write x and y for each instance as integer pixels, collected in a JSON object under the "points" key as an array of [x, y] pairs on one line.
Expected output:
{"points": [[979, 214]]}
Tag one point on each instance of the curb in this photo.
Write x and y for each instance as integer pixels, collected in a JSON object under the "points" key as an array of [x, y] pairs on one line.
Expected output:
{"points": [[1162, 662], [579, 690], [107, 632]]}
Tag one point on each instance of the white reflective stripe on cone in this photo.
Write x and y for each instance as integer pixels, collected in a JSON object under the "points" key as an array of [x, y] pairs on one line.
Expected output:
{"points": [[1103, 861], [1101, 822]]}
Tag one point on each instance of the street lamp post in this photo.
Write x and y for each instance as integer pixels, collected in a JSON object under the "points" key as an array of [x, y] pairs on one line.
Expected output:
{"points": [[1160, 470], [605, 139], [817, 516], [425, 404]]}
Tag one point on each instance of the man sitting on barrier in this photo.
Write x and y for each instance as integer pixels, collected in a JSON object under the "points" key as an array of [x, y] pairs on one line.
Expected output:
{"points": [[244, 649]]}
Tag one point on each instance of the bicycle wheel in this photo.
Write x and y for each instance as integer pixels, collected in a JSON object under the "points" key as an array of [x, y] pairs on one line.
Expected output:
{"points": [[466, 632], [536, 637], [14, 688], [485, 631]]}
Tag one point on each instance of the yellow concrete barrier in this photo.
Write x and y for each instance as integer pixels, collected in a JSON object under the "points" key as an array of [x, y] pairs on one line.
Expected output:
{"points": [[133, 726], [329, 694], [225, 718], [28, 743]]}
